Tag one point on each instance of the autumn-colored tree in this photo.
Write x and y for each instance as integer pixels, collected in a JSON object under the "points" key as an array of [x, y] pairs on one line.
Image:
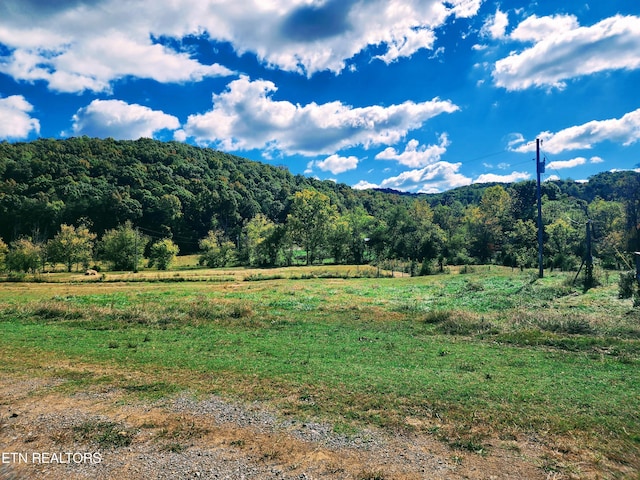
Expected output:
{"points": [[71, 246]]}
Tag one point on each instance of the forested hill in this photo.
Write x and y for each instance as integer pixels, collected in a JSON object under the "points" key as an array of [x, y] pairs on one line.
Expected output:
{"points": [[170, 189]]}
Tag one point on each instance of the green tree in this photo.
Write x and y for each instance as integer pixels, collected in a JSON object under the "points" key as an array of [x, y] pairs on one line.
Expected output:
{"points": [[563, 244], [309, 220], [521, 245], [609, 229], [123, 247], [339, 238], [71, 245], [450, 218], [4, 249], [360, 224], [412, 234], [217, 250], [24, 255], [162, 253], [496, 216], [260, 249]]}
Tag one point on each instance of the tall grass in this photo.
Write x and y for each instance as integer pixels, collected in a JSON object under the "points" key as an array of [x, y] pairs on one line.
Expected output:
{"points": [[469, 356]]}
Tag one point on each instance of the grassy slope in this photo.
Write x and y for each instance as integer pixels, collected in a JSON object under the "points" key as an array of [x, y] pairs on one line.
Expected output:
{"points": [[464, 357]]}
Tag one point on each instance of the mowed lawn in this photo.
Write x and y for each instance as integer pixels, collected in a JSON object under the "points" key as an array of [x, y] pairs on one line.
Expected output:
{"points": [[467, 358]]}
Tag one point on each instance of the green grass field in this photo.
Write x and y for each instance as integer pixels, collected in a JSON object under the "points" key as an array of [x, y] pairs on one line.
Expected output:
{"points": [[468, 358]]}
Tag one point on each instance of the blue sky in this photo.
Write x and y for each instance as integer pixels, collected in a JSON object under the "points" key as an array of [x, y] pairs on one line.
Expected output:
{"points": [[414, 95]]}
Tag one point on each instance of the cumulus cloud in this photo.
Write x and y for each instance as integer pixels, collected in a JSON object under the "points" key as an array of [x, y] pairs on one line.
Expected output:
{"points": [[496, 25], [562, 50], [120, 120], [493, 178], [364, 185], [433, 178], [560, 164], [85, 45], [15, 121], [74, 46], [624, 130], [245, 117], [416, 156], [337, 164]]}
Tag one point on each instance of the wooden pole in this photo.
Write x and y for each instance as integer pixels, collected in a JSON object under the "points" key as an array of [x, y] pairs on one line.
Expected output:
{"points": [[539, 170]]}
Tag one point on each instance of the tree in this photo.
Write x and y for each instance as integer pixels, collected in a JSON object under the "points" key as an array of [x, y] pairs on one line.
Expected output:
{"points": [[521, 246], [258, 232], [217, 250], [339, 239], [360, 224], [24, 255], [162, 253], [309, 220], [123, 247], [609, 229], [71, 245], [563, 244], [496, 217], [450, 219], [412, 234], [4, 249]]}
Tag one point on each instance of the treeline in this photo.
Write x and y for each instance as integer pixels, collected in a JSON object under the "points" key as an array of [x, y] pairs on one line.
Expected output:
{"points": [[162, 198]]}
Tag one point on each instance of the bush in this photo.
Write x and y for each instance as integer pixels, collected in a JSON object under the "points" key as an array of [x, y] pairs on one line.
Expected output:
{"points": [[162, 253], [627, 284]]}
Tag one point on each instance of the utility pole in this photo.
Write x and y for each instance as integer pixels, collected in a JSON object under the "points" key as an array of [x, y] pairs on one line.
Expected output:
{"points": [[588, 279], [539, 170], [135, 252]]}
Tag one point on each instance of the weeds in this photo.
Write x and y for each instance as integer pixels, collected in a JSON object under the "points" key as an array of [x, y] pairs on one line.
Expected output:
{"points": [[488, 349], [105, 434]]}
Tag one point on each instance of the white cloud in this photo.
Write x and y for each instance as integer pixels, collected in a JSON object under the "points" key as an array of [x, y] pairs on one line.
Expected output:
{"points": [[496, 25], [536, 29], [416, 156], [15, 121], [337, 164], [560, 164], [563, 50], [596, 160], [493, 178], [407, 44], [433, 178], [245, 117], [624, 130], [80, 45], [81, 48], [364, 185], [119, 120]]}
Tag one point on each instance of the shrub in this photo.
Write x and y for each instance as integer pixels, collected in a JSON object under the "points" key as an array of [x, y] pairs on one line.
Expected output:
{"points": [[627, 284], [162, 253]]}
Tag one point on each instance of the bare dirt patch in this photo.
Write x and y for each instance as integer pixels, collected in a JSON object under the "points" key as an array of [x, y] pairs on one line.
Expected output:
{"points": [[188, 437]]}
